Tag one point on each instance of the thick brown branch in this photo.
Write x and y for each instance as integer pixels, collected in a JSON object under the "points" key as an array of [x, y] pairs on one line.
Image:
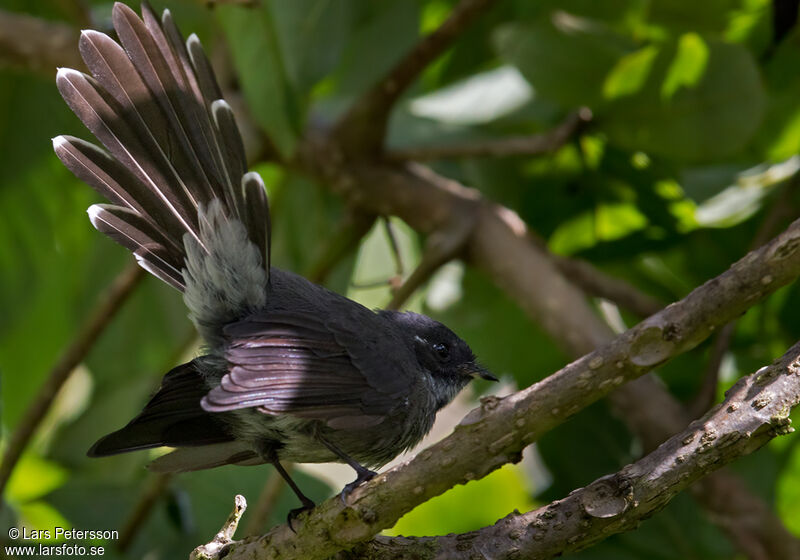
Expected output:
{"points": [[363, 127], [38, 45], [530, 145], [502, 247], [483, 441], [106, 308], [756, 410]]}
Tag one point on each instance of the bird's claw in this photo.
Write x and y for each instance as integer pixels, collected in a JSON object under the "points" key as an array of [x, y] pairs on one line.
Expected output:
{"points": [[307, 506], [363, 476]]}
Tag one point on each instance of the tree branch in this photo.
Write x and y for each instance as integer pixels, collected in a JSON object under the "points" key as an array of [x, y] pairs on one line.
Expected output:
{"points": [[530, 145], [100, 316], [363, 127], [35, 44], [756, 410], [219, 544], [483, 442]]}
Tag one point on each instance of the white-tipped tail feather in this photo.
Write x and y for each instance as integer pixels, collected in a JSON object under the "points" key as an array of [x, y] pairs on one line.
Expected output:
{"points": [[173, 167]]}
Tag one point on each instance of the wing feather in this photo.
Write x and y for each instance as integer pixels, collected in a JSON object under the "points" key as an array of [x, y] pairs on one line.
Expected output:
{"points": [[288, 364]]}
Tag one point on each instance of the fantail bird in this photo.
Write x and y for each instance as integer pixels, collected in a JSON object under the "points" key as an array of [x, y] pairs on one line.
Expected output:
{"points": [[291, 371]]}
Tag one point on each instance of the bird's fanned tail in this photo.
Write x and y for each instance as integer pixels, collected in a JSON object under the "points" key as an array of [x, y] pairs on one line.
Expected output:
{"points": [[173, 163]]}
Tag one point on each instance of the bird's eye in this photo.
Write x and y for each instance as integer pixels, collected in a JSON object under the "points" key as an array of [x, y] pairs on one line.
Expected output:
{"points": [[442, 351]]}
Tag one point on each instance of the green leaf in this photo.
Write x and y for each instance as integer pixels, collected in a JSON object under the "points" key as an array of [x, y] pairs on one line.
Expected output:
{"points": [[261, 70], [312, 35], [682, 116], [716, 16], [687, 67], [384, 32], [33, 478], [606, 223], [630, 73], [779, 136], [565, 58], [469, 507], [788, 492]]}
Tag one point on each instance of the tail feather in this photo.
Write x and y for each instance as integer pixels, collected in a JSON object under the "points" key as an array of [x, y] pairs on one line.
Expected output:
{"points": [[188, 459], [103, 117], [166, 93], [105, 174], [255, 201], [231, 153], [223, 147], [142, 238], [175, 170]]}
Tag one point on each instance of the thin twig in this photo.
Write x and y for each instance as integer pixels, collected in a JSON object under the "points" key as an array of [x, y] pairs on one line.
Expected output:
{"points": [[441, 246], [597, 283], [107, 306], [530, 145], [707, 393], [393, 245], [363, 127], [217, 548]]}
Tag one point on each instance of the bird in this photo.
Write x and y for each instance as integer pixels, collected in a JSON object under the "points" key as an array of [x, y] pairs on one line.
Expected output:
{"points": [[289, 371]]}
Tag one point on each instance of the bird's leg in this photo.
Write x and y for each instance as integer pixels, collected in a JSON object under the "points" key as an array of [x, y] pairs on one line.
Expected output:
{"points": [[269, 454], [363, 474]]}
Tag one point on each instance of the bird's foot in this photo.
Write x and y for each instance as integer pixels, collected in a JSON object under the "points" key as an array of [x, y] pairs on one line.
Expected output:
{"points": [[364, 475], [307, 506]]}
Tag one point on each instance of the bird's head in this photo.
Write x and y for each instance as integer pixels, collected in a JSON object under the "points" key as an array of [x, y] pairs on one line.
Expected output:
{"points": [[441, 352]]}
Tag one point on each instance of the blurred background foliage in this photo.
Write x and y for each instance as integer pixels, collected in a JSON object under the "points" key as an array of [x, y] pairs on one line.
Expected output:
{"points": [[692, 155]]}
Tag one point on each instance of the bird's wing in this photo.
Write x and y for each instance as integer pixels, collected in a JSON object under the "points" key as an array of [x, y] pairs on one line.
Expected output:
{"points": [[294, 363], [172, 417]]}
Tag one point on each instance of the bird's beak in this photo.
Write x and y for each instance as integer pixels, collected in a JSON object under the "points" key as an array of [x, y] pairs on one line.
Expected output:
{"points": [[477, 370]]}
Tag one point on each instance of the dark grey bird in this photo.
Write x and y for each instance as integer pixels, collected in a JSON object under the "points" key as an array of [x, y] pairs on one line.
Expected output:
{"points": [[291, 370]]}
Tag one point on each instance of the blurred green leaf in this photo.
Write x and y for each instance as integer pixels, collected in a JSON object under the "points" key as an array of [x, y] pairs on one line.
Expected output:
{"points": [[630, 73], [779, 136], [788, 492], [381, 33], [606, 223], [713, 117], [564, 57], [717, 16], [688, 66], [34, 478], [261, 68], [468, 507], [312, 35]]}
